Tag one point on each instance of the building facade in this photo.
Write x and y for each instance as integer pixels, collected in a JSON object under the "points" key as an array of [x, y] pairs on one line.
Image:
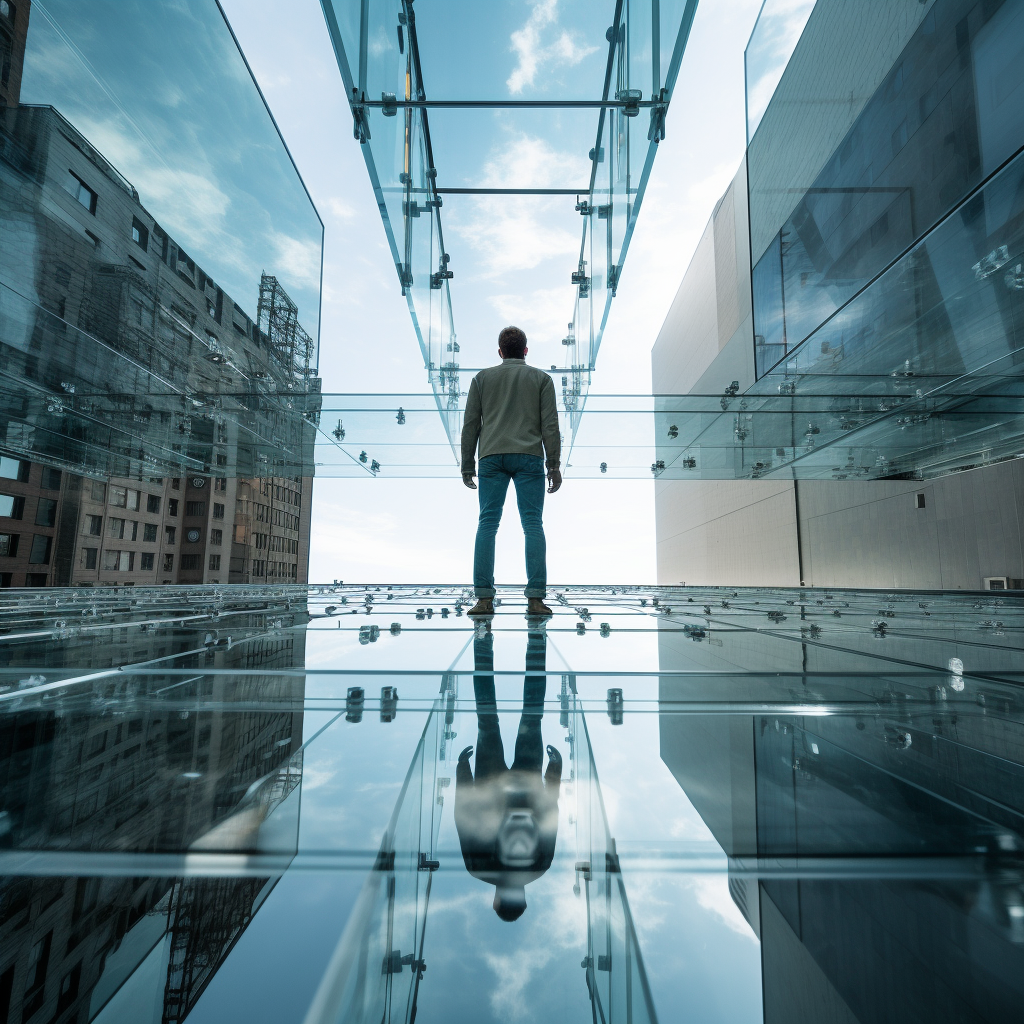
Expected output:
{"points": [[874, 230]]}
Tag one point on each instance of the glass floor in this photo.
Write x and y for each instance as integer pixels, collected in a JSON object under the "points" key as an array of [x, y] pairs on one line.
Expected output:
{"points": [[354, 804]]}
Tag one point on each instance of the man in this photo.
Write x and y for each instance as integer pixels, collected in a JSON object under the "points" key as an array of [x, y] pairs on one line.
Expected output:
{"points": [[507, 818], [511, 411]]}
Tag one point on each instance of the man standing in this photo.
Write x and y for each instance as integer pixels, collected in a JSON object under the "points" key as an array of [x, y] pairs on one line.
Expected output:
{"points": [[511, 411]]}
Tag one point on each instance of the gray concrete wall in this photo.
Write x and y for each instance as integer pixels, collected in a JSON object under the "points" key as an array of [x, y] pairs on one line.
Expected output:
{"points": [[871, 534]]}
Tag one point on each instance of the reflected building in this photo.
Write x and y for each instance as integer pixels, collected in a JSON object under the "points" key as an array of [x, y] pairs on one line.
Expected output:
{"points": [[147, 775], [815, 811], [149, 433], [864, 240]]}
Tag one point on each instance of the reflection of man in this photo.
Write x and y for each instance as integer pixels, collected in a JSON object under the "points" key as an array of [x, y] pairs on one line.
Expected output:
{"points": [[507, 818]]}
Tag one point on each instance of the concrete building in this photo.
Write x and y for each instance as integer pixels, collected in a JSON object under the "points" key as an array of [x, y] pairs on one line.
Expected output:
{"points": [[860, 196]]}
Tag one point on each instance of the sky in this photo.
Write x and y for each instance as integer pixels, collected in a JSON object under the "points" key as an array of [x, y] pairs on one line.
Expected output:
{"points": [[599, 531]]}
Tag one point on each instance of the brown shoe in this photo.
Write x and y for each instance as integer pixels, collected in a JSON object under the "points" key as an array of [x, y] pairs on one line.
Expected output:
{"points": [[484, 606], [536, 607]]}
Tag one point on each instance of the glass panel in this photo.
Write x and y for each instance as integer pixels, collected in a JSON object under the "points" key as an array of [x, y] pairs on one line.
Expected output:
{"points": [[899, 171], [435, 132]]}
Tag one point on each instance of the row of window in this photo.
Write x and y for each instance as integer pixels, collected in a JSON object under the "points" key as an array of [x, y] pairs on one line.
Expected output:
{"points": [[128, 529], [272, 490], [276, 517], [12, 506], [285, 544], [124, 561], [18, 469], [32, 579], [261, 567], [39, 553]]}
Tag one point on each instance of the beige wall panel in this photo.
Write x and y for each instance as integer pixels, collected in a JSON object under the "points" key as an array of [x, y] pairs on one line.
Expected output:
{"points": [[729, 533]]}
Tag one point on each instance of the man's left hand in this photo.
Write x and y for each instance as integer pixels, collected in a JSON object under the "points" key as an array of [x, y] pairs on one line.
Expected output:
{"points": [[467, 479], [554, 480]]}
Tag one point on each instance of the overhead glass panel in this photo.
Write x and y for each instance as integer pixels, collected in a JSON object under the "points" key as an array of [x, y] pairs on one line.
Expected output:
{"points": [[571, 116]]}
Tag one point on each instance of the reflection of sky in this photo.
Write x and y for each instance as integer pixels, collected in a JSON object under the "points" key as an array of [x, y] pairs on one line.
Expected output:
{"points": [[771, 45], [162, 92], [698, 950]]}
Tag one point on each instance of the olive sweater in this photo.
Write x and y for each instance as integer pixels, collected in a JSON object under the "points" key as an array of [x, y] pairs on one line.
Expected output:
{"points": [[511, 411]]}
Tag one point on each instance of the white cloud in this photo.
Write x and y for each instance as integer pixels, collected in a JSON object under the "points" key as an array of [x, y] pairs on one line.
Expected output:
{"points": [[520, 233], [543, 315], [340, 209], [513, 974], [298, 259], [712, 892], [535, 48]]}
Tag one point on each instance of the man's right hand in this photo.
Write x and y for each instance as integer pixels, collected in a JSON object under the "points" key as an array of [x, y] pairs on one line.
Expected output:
{"points": [[554, 480], [467, 479]]}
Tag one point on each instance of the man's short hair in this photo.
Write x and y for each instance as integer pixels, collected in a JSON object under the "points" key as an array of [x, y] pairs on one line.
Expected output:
{"points": [[512, 343]]}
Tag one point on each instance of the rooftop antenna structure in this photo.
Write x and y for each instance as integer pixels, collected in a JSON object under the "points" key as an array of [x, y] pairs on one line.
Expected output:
{"points": [[278, 319]]}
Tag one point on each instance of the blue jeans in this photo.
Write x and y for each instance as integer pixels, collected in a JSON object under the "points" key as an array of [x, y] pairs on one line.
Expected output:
{"points": [[494, 474]]}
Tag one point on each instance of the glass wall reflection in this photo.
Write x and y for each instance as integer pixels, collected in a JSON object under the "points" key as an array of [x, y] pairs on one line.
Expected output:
{"points": [[159, 305]]}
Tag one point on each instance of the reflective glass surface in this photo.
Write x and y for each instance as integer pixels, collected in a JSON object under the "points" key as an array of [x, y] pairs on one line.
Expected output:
{"points": [[906, 198], [159, 255], [353, 803]]}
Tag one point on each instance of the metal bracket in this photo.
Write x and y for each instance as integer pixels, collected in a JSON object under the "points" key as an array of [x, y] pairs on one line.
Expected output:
{"points": [[360, 121], [657, 130]]}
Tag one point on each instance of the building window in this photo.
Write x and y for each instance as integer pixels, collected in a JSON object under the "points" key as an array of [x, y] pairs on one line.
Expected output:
{"points": [[214, 561], [99, 491], [35, 579], [118, 497], [149, 533], [123, 561], [51, 478], [6, 580], [216, 536], [218, 511], [89, 555], [147, 560], [172, 506], [176, 483], [222, 460], [78, 189], [12, 506], [69, 988], [115, 528], [7, 10], [191, 562], [168, 563], [153, 503], [46, 512], [9, 544], [195, 508], [13, 469], [40, 554], [94, 525], [140, 234], [169, 532]]}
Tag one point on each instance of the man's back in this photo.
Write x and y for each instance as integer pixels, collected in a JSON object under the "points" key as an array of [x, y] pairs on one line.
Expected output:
{"points": [[511, 410]]}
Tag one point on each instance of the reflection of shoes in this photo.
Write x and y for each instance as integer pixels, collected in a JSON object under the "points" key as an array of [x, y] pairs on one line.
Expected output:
{"points": [[485, 606], [535, 606]]}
